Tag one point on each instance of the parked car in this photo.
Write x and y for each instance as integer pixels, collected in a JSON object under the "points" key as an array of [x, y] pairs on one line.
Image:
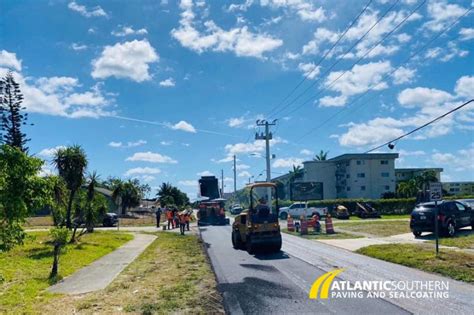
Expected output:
{"points": [[452, 215], [298, 209], [110, 219], [236, 209]]}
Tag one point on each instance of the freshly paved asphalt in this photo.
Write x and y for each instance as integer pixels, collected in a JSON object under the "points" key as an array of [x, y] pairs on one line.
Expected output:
{"points": [[280, 283], [102, 272]]}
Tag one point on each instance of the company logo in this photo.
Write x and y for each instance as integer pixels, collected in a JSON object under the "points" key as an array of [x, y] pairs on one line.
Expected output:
{"points": [[326, 287], [323, 284]]}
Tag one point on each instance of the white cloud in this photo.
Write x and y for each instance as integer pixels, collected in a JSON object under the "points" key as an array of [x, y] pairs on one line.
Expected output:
{"points": [[168, 83], [445, 54], [142, 171], [238, 40], [84, 11], [236, 121], [78, 47], [319, 37], [250, 147], [329, 101], [166, 143], [151, 157], [184, 126], [305, 9], [403, 38], [465, 87], [442, 14], [404, 153], [205, 173], [288, 162], [306, 152], [309, 70], [128, 30], [403, 75], [240, 167], [244, 174], [57, 84], [421, 96], [192, 183], [125, 60], [128, 144], [466, 33], [50, 152], [376, 131], [460, 161], [9, 60]]}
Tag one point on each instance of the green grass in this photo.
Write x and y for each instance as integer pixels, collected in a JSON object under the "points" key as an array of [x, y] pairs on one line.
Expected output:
{"points": [[323, 235], [460, 240], [172, 275], [384, 216], [377, 228], [453, 264], [25, 269]]}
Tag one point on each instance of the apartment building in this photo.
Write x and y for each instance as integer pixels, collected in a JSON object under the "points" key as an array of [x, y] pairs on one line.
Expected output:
{"points": [[459, 188]]}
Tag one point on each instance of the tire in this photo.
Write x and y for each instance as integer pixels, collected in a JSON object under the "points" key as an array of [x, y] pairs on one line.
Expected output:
{"points": [[417, 233], [250, 246], [284, 215], [450, 229], [277, 247], [236, 240]]}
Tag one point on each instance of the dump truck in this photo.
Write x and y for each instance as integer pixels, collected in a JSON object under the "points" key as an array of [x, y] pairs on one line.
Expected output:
{"points": [[211, 207], [257, 229]]}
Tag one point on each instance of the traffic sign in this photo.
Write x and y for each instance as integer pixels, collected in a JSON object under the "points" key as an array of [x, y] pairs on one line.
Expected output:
{"points": [[436, 191]]}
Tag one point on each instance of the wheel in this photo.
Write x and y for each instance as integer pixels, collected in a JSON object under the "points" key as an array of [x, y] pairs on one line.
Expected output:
{"points": [[250, 246], [283, 215], [236, 240], [417, 233], [277, 247], [450, 229]]}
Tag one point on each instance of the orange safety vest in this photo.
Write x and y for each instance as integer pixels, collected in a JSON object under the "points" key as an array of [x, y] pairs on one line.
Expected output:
{"points": [[187, 217], [169, 215], [182, 219]]}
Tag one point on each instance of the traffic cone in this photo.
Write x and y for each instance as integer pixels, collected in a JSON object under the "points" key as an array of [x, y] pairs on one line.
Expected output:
{"points": [[304, 226], [329, 227], [290, 224]]}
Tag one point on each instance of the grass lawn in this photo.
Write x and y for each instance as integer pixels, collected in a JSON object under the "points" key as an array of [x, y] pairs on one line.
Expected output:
{"points": [[382, 228], [384, 216], [25, 269], [460, 240], [171, 276], [456, 265], [323, 235]]}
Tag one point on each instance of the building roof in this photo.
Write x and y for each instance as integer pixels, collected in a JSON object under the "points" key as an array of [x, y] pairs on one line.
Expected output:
{"points": [[414, 169], [358, 156]]}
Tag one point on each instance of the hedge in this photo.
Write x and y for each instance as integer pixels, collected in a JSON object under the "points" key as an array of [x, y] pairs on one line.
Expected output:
{"points": [[384, 206]]}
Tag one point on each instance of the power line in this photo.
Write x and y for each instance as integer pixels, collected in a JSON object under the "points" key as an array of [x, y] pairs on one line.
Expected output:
{"points": [[322, 58], [337, 60], [414, 54], [358, 60], [422, 126]]}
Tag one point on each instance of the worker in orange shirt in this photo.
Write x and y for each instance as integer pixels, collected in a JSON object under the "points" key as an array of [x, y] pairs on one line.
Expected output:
{"points": [[187, 218], [169, 217], [182, 222]]}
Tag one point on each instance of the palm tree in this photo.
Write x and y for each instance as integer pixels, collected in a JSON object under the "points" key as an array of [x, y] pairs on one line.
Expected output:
{"points": [[296, 173], [71, 163], [425, 179], [127, 194], [93, 180], [165, 194], [407, 189], [322, 156]]}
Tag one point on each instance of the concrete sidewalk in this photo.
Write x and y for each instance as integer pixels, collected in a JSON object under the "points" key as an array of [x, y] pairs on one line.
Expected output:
{"points": [[102, 272]]}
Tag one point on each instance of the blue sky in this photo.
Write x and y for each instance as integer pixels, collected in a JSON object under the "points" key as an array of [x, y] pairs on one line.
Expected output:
{"points": [[164, 91]]}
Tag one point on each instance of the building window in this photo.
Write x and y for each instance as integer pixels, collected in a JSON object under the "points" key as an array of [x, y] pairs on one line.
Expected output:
{"points": [[348, 175], [359, 162], [362, 188], [387, 187], [384, 162], [361, 175], [348, 188], [385, 174]]}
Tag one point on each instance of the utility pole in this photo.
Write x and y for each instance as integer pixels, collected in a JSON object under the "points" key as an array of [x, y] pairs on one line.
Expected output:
{"points": [[267, 136], [222, 183], [235, 174]]}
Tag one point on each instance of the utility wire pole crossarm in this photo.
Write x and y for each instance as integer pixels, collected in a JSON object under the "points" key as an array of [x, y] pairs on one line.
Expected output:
{"points": [[267, 136]]}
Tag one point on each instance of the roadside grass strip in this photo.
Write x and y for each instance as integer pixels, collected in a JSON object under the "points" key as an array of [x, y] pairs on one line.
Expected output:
{"points": [[376, 228], [24, 270], [172, 275], [449, 263], [460, 240], [323, 235]]}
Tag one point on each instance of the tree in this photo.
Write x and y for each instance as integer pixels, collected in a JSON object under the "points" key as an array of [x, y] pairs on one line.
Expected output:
{"points": [[127, 195], [407, 189], [91, 213], [58, 206], [169, 195], [59, 239], [322, 156], [71, 163], [12, 117], [21, 190], [296, 173]]}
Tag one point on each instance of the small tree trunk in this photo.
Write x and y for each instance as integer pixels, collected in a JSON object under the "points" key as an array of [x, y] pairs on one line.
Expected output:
{"points": [[73, 237], [69, 206], [54, 270]]}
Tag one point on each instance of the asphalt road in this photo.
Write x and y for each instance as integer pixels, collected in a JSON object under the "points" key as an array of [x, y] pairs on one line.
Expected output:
{"points": [[280, 283]]}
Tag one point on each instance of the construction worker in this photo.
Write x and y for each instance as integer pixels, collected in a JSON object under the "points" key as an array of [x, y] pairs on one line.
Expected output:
{"points": [[182, 222], [169, 217], [158, 216], [187, 218]]}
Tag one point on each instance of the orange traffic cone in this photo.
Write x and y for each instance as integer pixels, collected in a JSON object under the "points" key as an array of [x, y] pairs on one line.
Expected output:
{"points": [[304, 226], [329, 227], [290, 224]]}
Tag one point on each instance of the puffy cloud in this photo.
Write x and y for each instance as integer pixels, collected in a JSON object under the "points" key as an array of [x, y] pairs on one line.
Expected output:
{"points": [[184, 126], [461, 161], [168, 83], [320, 36], [236, 121], [55, 84], [306, 152], [151, 157], [376, 131], [465, 87], [442, 14], [125, 60], [50, 152], [445, 54], [244, 174], [84, 11], [142, 171], [129, 144], [240, 167], [336, 101], [192, 183], [403, 75], [205, 173], [250, 147], [305, 10], [421, 96], [466, 33], [78, 47], [238, 40], [288, 162], [309, 70], [128, 30], [9, 60]]}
